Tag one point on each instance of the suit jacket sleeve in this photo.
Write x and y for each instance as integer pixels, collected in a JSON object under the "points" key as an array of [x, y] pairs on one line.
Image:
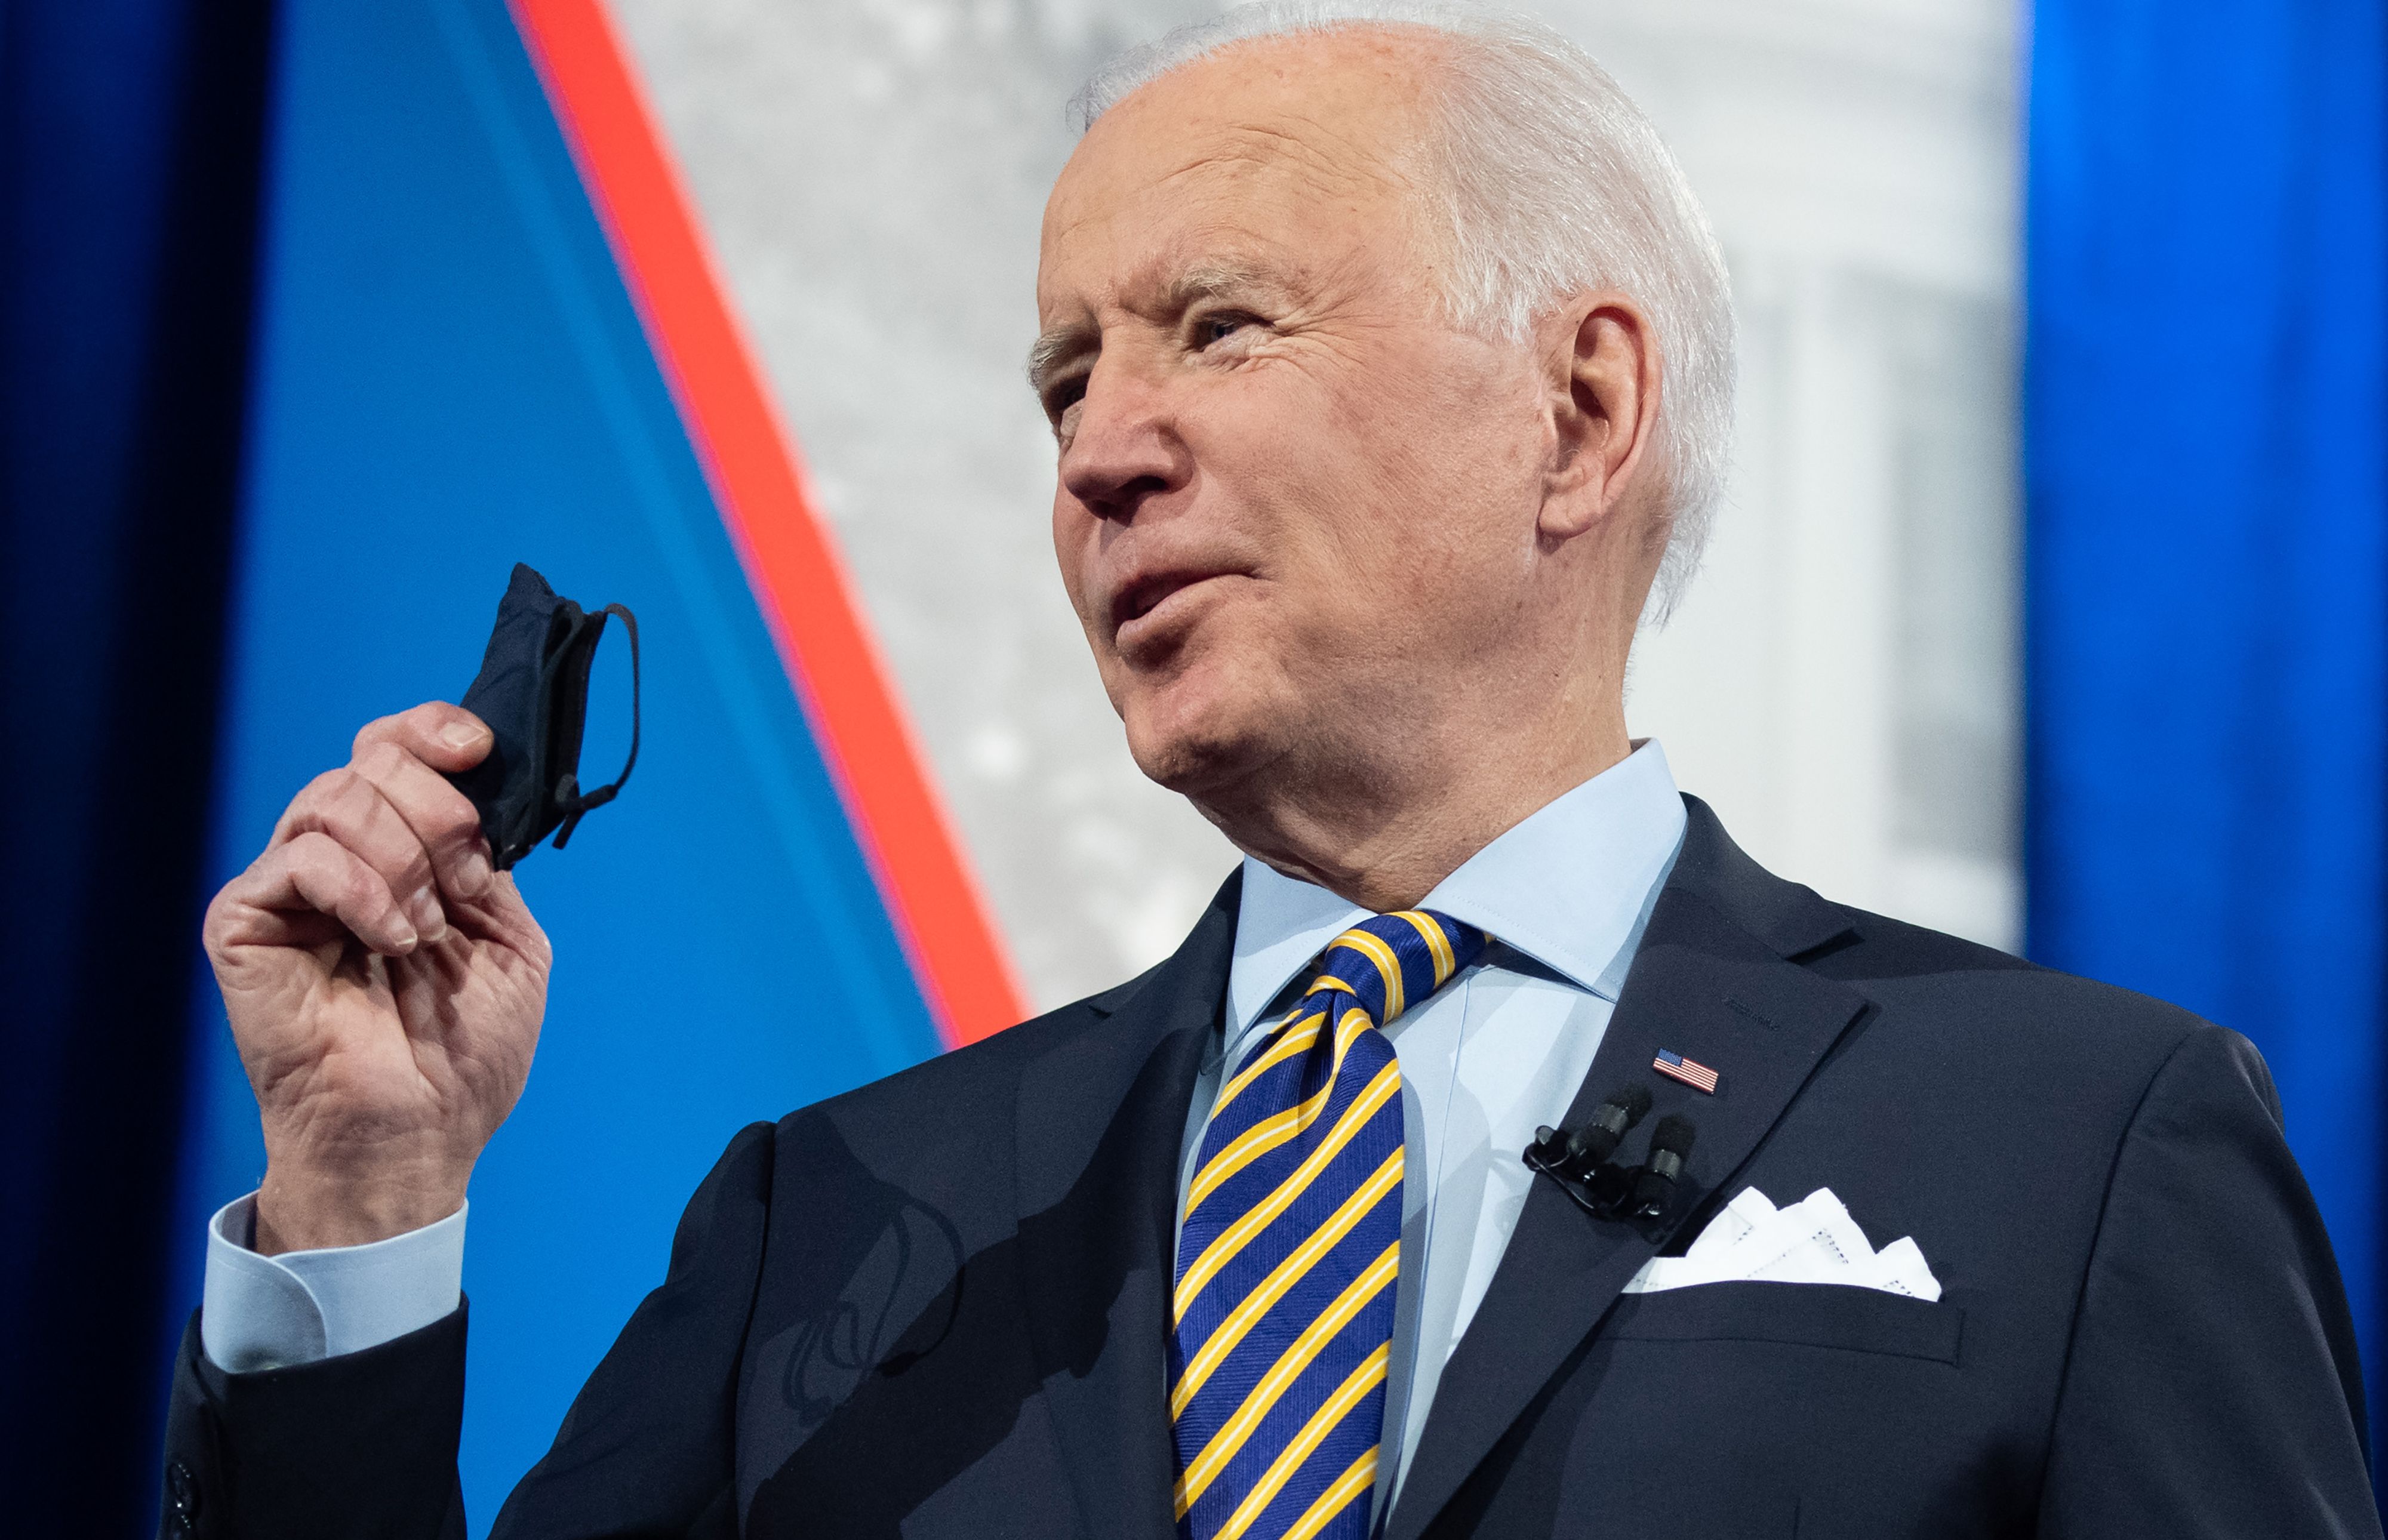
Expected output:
{"points": [[365, 1444], [2212, 1387]]}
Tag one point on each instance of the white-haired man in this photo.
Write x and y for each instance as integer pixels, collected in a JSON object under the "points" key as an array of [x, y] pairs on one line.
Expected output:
{"points": [[1390, 363]]}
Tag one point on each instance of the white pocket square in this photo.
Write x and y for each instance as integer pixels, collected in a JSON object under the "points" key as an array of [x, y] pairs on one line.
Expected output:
{"points": [[1814, 1241]]}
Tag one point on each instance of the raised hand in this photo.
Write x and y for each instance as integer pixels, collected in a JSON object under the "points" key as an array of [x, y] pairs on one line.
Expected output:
{"points": [[384, 988]]}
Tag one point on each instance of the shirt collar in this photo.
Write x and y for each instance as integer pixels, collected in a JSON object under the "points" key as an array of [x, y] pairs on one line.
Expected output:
{"points": [[1568, 887]]}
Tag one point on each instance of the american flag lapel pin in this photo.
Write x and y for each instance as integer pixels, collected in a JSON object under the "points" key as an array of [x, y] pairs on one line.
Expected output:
{"points": [[1699, 1077]]}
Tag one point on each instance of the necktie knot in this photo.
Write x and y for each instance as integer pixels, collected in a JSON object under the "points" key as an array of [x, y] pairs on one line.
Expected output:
{"points": [[1388, 962]]}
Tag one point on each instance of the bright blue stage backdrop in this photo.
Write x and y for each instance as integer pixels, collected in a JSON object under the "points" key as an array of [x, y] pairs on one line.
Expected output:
{"points": [[451, 378], [2207, 574]]}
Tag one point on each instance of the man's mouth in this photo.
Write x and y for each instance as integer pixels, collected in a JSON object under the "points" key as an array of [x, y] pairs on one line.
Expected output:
{"points": [[1138, 600]]}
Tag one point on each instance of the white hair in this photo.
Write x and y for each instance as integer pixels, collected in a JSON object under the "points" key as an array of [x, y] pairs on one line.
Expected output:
{"points": [[1556, 183]]}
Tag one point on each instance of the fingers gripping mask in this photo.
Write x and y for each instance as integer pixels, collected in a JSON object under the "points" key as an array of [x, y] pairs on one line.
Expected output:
{"points": [[533, 693]]}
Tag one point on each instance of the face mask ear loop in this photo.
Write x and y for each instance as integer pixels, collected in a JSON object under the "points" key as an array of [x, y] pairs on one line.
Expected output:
{"points": [[569, 795]]}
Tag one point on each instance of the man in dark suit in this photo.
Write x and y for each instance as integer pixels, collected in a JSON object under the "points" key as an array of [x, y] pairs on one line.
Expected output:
{"points": [[1389, 368]]}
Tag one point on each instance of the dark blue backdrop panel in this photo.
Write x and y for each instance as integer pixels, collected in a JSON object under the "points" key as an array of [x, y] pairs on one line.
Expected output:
{"points": [[452, 378], [2207, 573], [129, 147]]}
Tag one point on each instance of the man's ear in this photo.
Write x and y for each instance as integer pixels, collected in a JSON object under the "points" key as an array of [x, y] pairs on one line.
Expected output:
{"points": [[1603, 403]]}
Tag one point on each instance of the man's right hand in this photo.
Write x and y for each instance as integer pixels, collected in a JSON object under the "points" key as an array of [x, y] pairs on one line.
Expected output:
{"points": [[384, 988]]}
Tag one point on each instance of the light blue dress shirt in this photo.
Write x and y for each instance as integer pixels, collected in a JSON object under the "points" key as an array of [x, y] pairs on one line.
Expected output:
{"points": [[1499, 1050], [264, 1312]]}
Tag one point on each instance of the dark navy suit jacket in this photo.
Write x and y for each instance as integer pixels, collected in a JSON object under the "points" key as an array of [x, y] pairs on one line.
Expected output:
{"points": [[935, 1307]]}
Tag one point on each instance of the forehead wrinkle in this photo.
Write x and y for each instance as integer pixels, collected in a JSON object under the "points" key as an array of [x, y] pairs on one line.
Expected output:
{"points": [[1311, 157]]}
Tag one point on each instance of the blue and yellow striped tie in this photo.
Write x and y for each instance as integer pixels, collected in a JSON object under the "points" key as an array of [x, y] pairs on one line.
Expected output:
{"points": [[1291, 1244]]}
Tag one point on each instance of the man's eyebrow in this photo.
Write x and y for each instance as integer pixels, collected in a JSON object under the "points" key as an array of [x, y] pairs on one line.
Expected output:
{"points": [[1210, 279], [1054, 346], [1207, 280]]}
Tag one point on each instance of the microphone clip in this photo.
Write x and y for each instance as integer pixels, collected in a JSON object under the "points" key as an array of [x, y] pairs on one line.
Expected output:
{"points": [[1579, 1160]]}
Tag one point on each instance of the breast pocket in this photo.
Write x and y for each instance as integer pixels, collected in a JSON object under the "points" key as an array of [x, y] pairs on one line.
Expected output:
{"points": [[1813, 1315]]}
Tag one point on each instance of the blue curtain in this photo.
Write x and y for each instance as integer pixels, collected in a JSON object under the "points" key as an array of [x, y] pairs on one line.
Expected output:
{"points": [[129, 147], [2207, 577]]}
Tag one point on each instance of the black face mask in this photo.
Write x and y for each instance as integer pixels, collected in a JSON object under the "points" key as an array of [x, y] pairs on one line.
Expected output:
{"points": [[533, 693]]}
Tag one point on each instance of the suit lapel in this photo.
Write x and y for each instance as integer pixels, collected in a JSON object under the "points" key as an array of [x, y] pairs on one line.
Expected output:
{"points": [[1101, 1119], [1711, 982]]}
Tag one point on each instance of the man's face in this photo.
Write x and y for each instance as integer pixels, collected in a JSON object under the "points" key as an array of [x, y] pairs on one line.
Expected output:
{"points": [[1296, 507]]}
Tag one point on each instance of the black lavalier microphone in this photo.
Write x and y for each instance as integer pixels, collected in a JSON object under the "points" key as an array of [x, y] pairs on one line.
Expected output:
{"points": [[1579, 1160], [1578, 1154], [1590, 1145], [1670, 1145]]}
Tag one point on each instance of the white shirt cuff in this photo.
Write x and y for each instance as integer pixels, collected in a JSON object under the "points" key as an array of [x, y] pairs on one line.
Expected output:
{"points": [[269, 1312]]}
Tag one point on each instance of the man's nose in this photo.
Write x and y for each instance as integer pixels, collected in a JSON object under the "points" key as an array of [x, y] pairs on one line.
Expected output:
{"points": [[1126, 446]]}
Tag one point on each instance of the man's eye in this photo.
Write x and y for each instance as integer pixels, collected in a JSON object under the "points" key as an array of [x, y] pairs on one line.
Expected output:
{"points": [[1220, 327], [1063, 395]]}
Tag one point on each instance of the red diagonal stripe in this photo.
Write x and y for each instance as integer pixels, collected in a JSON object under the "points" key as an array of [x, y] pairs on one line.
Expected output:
{"points": [[773, 517]]}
